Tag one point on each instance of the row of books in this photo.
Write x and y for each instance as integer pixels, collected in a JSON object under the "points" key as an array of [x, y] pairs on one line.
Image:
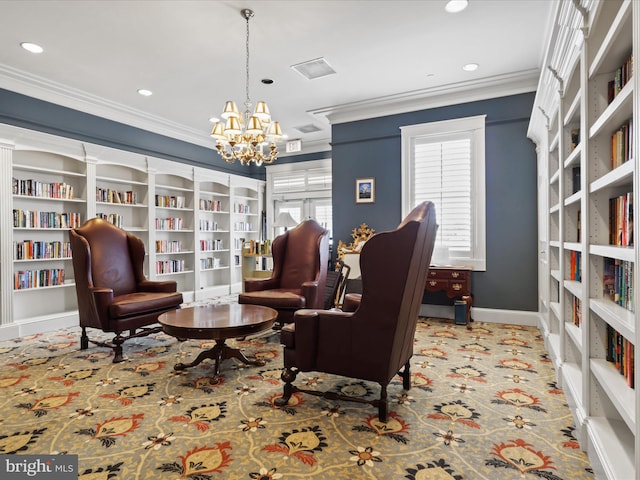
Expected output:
{"points": [[34, 250], [621, 220], [253, 247], [35, 188], [109, 195], [169, 266], [243, 227], [171, 201], [169, 223], [211, 245], [575, 268], [241, 208], [168, 246], [576, 312], [35, 219], [618, 282], [208, 226], [24, 279], [112, 218], [620, 352], [575, 138], [622, 144], [621, 77], [209, 263], [210, 205]]}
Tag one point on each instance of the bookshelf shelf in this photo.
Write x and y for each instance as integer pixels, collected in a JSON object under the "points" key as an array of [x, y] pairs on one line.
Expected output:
{"points": [[621, 395]]}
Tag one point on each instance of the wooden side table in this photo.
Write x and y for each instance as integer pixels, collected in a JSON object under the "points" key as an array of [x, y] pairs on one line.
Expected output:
{"points": [[455, 281]]}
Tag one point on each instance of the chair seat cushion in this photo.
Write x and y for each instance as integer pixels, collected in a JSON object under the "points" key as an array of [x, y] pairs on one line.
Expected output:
{"points": [[139, 303], [276, 298]]}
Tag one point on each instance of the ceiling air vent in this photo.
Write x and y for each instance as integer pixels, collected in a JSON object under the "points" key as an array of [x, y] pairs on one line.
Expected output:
{"points": [[310, 128], [314, 68]]}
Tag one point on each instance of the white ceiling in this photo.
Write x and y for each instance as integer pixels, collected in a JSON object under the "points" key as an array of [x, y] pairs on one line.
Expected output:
{"points": [[390, 56]]}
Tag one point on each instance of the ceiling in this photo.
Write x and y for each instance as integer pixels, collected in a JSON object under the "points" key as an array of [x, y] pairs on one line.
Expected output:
{"points": [[389, 56]]}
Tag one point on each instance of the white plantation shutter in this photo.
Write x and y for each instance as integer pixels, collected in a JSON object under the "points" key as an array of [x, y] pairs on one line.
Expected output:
{"points": [[443, 162], [443, 176]]}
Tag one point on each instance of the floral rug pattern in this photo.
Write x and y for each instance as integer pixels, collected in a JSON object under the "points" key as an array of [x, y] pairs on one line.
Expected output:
{"points": [[484, 405]]}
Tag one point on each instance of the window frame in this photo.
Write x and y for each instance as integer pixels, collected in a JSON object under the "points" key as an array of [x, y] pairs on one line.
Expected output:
{"points": [[442, 131]]}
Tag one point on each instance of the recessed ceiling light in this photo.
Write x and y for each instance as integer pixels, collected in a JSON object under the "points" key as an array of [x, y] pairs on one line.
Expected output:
{"points": [[32, 47], [145, 93], [455, 6], [470, 67]]}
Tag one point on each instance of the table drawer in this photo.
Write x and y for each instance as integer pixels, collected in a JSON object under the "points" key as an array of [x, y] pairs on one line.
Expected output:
{"points": [[435, 285], [457, 275]]}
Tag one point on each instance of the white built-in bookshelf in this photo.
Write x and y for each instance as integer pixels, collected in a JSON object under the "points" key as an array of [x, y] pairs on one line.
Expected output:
{"points": [[192, 221], [585, 126]]}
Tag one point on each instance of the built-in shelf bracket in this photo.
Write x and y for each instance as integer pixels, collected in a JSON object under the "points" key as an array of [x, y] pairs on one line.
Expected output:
{"points": [[545, 116], [559, 79], [585, 18]]}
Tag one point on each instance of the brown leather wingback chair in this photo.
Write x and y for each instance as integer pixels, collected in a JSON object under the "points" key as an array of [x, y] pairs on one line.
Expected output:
{"points": [[376, 340], [300, 262], [113, 293]]}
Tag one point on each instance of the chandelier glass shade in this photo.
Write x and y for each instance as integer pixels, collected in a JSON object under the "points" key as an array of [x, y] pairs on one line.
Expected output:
{"points": [[244, 136]]}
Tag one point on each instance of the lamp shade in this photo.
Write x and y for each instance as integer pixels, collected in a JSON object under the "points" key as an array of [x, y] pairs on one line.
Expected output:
{"points": [[275, 132], [230, 110], [218, 132], [232, 126], [254, 127], [262, 112], [285, 220]]}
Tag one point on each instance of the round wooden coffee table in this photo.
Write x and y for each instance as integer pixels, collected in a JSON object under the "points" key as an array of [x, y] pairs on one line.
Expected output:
{"points": [[218, 322]]}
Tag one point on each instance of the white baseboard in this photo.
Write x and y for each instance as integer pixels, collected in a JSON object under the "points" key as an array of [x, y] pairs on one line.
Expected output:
{"points": [[489, 315], [18, 330]]}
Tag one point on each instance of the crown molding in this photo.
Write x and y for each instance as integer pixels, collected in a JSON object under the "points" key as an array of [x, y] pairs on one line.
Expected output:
{"points": [[43, 89], [489, 87], [452, 94]]}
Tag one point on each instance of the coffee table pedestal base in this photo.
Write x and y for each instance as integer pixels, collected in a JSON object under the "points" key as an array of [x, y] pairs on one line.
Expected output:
{"points": [[220, 351]]}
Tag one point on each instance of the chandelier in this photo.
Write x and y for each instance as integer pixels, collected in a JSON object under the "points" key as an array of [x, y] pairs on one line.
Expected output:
{"points": [[242, 137]]}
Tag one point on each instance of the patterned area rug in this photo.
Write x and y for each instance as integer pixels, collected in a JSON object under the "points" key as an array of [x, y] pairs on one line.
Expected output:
{"points": [[484, 405]]}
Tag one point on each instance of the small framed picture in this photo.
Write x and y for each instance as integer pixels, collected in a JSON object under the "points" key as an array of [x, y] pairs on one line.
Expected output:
{"points": [[365, 190]]}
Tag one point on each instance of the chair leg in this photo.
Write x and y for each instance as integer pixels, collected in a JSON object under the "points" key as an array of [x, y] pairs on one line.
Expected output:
{"points": [[382, 406], [84, 339], [118, 357], [288, 376], [406, 377]]}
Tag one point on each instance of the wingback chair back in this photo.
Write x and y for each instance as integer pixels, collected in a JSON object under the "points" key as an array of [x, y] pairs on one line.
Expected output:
{"points": [[112, 290], [300, 262], [375, 341]]}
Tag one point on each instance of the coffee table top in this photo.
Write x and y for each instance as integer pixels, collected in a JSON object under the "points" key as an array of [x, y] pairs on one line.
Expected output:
{"points": [[217, 322]]}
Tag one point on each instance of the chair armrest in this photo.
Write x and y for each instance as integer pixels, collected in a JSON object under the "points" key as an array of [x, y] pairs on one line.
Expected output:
{"points": [[102, 299], [308, 326], [259, 284], [351, 302], [312, 295], [166, 286]]}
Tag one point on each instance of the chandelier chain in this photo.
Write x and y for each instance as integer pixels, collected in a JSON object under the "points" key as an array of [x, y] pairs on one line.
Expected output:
{"points": [[248, 101]]}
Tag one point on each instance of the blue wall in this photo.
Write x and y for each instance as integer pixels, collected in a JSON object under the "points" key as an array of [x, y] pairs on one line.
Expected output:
{"points": [[372, 148]]}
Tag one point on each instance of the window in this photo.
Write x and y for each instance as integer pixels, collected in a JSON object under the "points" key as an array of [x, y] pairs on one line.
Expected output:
{"points": [[302, 189], [444, 162]]}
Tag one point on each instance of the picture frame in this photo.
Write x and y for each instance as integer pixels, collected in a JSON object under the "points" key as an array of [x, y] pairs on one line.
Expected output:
{"points": [[365, 190]]}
